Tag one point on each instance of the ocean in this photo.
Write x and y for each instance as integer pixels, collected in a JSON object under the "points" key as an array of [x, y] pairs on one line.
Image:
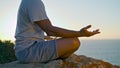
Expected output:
{"points": [[107, 50]]}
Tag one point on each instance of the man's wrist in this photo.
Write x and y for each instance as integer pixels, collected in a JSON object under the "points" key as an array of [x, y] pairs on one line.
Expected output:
{"points": [[80, 34]]}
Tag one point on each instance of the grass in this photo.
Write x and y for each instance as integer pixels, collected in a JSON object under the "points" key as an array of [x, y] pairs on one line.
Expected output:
{"points": [[7, 53]]}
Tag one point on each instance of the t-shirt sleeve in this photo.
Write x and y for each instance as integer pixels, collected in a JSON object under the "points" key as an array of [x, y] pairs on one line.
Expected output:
{"points": [[36, 11]]}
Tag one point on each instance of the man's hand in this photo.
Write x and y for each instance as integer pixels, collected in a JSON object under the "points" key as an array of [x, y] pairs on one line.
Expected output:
{"points": [[85, 33]]}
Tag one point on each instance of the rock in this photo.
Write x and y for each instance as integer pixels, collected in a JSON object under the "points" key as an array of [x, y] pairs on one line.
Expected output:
{"points": [[74, 61], [17, 64]]}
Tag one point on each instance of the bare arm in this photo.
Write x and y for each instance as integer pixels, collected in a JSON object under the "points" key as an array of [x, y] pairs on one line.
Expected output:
{"points": [[60, 32]]}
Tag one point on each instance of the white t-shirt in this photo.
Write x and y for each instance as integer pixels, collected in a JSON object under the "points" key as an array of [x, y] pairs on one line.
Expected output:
{"points": [[27, 31]]}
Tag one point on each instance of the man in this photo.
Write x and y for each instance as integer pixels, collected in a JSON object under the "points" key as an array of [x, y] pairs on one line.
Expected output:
{"points": [[30, 44]]}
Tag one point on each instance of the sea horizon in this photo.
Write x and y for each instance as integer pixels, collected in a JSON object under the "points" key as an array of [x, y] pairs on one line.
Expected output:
{"points": [[107, 50]]}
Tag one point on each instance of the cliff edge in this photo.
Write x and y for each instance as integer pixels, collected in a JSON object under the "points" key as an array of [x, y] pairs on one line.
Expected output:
{"points": [[74, 61]]}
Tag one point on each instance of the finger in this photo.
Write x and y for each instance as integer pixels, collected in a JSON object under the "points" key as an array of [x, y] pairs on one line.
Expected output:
{"points": [[87, 27], [96, 31]]}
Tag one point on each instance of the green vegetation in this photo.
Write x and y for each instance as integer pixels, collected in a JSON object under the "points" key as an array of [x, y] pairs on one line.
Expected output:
{"points": [[7, 53]]}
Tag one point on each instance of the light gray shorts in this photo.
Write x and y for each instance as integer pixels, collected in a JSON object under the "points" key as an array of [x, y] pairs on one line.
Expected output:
{"points": [[40, 51]]}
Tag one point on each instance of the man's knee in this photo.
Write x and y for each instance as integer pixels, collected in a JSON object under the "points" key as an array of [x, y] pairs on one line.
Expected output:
{"points": [[67, 46], [76, 43]]}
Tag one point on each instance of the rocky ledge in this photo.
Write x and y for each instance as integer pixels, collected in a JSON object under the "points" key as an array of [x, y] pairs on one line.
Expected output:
{"points": [[74, 61]]}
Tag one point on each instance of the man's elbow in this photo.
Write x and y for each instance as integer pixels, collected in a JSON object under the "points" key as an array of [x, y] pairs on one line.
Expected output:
{"points": [[50, 31]]}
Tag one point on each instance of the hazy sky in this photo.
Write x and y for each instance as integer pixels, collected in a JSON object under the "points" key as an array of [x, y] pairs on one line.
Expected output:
{"points": [[69, 14]]}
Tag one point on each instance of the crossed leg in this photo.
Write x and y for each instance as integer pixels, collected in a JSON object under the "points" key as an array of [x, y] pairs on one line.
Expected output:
{"points": [[67, 46]]}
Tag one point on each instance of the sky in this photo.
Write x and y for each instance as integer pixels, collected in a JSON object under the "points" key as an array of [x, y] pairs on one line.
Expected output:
{"points": [[69, 14]]}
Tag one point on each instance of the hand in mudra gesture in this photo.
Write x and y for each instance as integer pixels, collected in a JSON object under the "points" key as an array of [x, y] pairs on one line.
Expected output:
{"points": [[85, 33]]}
